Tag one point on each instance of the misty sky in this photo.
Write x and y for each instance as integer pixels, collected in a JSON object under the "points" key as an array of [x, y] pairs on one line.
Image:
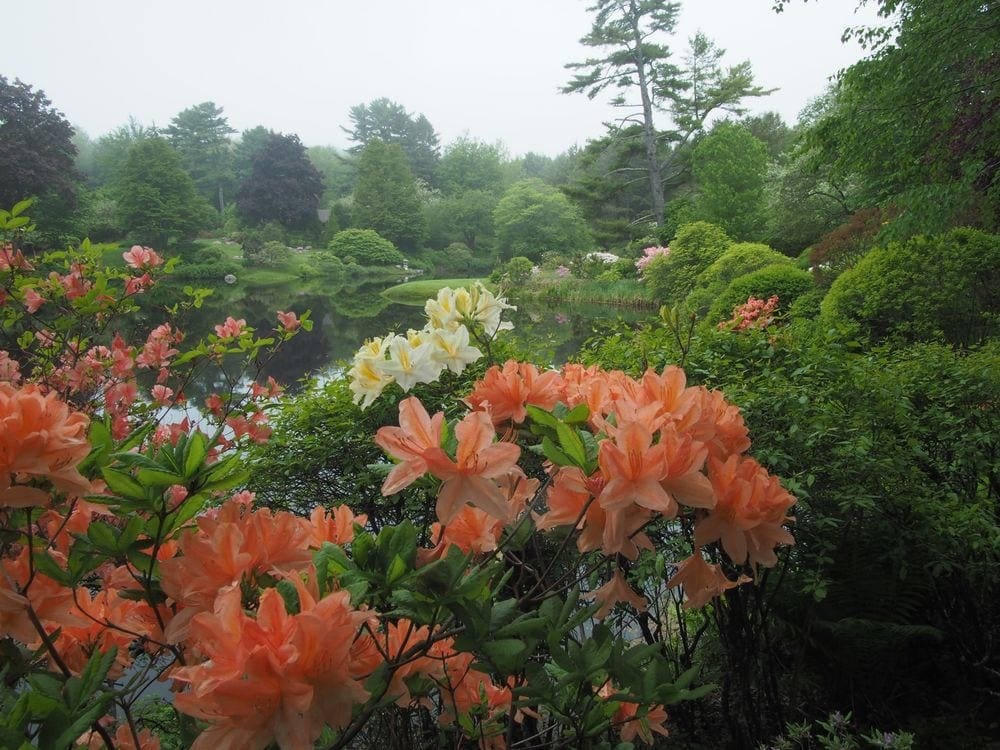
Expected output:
{"points": [[488, 69]]}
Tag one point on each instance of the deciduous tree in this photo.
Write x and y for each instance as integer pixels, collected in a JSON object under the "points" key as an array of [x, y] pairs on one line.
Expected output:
{"points": [[36, 146], [729, 167], [157, 199], [283, 185], [533, 217]]}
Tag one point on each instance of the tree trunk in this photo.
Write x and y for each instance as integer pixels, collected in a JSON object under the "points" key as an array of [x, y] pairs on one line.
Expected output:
{"points": [[648, 128]]}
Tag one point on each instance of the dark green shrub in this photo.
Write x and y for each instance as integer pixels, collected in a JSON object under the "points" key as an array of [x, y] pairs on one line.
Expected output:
{"points": [[740, 259], [454, 260], [366, 247], [325, 263], [785, 280], [695, 248], [945, 287]]}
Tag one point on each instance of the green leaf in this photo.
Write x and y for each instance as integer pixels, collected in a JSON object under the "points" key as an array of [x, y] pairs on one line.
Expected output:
{"points": [[397, 569], [195, 452], [123, 485], [155, 478], [507, 654]]}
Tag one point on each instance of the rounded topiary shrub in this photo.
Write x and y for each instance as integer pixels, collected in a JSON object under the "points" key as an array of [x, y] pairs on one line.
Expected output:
{"points": [[784, 280], [740, 259], [672, 278], [366, 247], [927, 288]]}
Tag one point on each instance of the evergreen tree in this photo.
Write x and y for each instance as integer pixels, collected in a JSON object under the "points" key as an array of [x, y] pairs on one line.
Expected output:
{"points": [[201, 136], [157, 200], [636, 60], [385, 196], [385, 120]]}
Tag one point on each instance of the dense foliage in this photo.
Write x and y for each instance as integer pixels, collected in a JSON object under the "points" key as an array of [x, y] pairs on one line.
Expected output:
{"points": [[924, 289], [282, 186], [364, 247], [697, 246]]}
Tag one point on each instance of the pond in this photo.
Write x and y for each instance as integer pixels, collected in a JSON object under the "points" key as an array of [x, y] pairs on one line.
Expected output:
{"points": [[347, 313]]}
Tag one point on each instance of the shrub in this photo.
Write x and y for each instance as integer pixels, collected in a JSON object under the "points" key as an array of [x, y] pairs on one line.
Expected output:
{"points": [[927, 288], [454, 260], [739, 260], [842, 247], [695, 248], [365, 247], [267, 255], [516, 271], [785, 281]]}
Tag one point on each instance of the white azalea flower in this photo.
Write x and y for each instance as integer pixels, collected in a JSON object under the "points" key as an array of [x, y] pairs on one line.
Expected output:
{"points": [[410, 365], [452, 350]]}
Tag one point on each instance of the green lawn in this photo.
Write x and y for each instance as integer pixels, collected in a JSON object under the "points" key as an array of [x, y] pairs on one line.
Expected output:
{"points": [[417, 292]]}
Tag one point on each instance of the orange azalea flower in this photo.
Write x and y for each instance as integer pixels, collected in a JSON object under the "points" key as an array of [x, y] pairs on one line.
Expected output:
{"points": [[749, 514], [469, 477], [684, 479], [124, 740], [404, 638], [571, 493], [52, 602], [633, 468], [280, 678], [701, 582], [630, 724], [40, 438], [335, 526], [614, 591], [417, 434], [505, 392], [464, 689], [720, 425], [224, 549]]}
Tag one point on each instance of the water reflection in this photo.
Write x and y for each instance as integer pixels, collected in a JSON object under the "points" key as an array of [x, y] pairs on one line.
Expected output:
{"points": [[344, 316]]}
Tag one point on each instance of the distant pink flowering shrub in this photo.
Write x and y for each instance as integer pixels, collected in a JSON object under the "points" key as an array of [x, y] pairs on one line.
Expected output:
{"points": [[754, 313], [648, 254]]}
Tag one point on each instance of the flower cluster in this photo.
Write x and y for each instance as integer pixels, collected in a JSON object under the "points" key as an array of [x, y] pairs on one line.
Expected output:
{"points": [[648, 255], [442, 344], [662, 448], [754, 313], [40, 438]]}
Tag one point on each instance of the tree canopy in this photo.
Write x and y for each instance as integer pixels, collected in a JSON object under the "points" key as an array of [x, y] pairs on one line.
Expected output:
{"points": [[634, 59], [37, 155], [385, 196], [157, 199], [918, 121], [283, 185], [201, 136], [533, 218], [729, 166], [385, 120]]}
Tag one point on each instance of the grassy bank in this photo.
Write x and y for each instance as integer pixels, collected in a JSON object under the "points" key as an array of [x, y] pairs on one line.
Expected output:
{"points": [[620, 293], [417, 292]]}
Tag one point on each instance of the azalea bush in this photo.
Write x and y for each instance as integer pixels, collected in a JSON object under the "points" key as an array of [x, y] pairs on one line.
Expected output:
{"points": [[130, 553]]}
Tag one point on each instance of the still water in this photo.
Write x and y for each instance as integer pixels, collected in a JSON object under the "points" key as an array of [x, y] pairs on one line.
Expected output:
{"points": [[345, 315]]}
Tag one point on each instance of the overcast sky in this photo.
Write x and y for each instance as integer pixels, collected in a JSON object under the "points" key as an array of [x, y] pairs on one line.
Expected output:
{"points": [[490, 69]]}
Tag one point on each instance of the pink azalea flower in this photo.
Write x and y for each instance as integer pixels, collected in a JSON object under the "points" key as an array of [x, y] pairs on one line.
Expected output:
{"points": [[142, 257], [231, 329], [32, 300], [288, 320]]}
